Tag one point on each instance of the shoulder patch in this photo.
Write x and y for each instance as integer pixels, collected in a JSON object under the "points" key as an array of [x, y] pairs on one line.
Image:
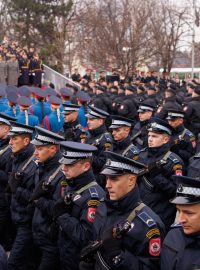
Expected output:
{"points": [[154, 247], [189, 133], [174, 158], [93, 203], [147, 219], [153, 232], [108, 137]]}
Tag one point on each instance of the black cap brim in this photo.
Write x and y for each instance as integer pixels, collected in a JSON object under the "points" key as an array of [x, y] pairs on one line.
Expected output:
{"points": [[39, 143], [108, 171], [68, 161], [185, 200]]}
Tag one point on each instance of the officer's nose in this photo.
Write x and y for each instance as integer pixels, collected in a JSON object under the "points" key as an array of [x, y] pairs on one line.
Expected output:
{"points": [[181, 217], [108, 183]]}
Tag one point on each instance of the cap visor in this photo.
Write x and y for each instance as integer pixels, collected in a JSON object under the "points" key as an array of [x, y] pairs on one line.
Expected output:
{"points": [[108, 171], [90, 116], [38, 143], [115, 126], [185, 200], [68, 161]]}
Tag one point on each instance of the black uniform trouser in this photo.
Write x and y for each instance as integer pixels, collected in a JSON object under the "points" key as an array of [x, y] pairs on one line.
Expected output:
{"points": [[20, 255], [49, 258]]}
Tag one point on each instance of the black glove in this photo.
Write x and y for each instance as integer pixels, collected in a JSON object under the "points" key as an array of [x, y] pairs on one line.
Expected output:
{"points": [[61, 207], [53, 232], [111, 245], [155, 167], [41, 190]]}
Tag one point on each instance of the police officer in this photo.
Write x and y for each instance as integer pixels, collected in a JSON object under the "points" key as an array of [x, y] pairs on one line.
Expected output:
{"points": [[139, 133], [45, 195], [156, 186], [183, 141], [170, 102], [75, 211], [72, 129], [181, 246], [101, 100], [99, 137], [121, 128], [55, 120], [24, 116], [128, 106], [5, 169], [129, 233], [192, 112], [21, 183]]}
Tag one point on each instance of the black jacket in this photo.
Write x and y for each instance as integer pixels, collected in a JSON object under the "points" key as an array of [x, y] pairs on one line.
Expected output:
{"points": [[180, 251], [26, 179], [43, 215], [76, 225], [157, 187], [134, 248]]}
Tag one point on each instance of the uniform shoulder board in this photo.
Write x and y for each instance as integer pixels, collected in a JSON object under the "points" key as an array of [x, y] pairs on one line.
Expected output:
{"points": [[108, 137], [189, 133], [134, 149], [77, 126], [175, 225], [93, 193], [143, 150], [197, 155], [174, 158], [146, 219]]}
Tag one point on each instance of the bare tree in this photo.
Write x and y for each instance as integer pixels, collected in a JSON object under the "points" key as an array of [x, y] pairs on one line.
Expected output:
{"points": [[112, 33], [167, 29]]}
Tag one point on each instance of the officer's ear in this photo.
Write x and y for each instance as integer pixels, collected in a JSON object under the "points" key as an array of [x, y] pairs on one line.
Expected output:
{"points": [[132, 178], [166, 138]]}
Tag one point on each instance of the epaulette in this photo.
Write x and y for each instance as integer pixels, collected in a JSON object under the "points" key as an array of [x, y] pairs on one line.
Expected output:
{"points": [[143, 149], [134, 150], [146, 219], [93, 193], [174, 158], [175, 225], [189, 133], [108, 137], [197, 155]]}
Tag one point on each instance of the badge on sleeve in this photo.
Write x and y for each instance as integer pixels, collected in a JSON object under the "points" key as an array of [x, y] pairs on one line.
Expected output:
{"points": [[91, 214], [154, 247], [178, 172]]}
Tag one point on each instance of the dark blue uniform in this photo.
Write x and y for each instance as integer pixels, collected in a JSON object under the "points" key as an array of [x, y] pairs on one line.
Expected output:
{"points": [[43, 215], [74, 132], [101, 139], [76, 225], [193, 169], [5, 219], [183, 143], [157, 187], [137, 249], [126, 148], [139, 136], [22, 183], [180, 251]]}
